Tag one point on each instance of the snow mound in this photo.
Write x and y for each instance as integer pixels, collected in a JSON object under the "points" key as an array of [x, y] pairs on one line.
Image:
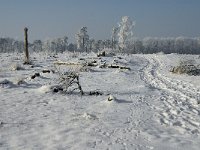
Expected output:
{"points": [[6, 84], [45, 89], [89, 116], [20, 82]]}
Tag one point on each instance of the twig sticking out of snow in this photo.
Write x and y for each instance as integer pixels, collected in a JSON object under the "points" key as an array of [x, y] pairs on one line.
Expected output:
{"points": [[111, 98]]}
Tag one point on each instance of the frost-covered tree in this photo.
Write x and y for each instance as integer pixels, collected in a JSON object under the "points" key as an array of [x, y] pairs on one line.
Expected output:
{"points": [[125, 32], [114, 37], [71, 47], [82, 39], [18, 46], [135, 47], [55, 45], [179, 45], [61, 44], [107, 44], [100, 44], [91, 45], [6, 45], [37, 46]]}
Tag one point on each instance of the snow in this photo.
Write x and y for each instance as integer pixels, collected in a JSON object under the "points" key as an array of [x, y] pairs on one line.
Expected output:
{"points": [[152, 109]]}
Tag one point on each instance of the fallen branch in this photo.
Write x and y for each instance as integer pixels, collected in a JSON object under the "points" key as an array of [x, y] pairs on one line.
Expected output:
{"points": [[120, 67], [67, 63]]}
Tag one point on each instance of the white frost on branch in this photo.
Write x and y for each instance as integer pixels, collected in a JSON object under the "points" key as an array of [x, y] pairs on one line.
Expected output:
{"points": [[125, 32]]}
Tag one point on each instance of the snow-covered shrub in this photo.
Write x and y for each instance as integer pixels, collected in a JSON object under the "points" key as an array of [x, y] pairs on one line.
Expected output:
{"points": [[68, 77], [20, 82], [186, 67], [69, 82], [74, 55], [15, 67]]}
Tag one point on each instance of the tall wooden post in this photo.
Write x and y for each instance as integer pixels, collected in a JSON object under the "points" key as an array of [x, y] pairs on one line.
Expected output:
{"points": [[26, 61]]}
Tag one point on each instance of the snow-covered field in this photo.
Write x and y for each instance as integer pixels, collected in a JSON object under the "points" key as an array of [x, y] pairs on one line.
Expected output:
{"points": [[152, 108]]}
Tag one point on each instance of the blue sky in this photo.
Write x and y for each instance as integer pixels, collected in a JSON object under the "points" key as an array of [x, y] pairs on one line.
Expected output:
{"points": [[58, 18]]}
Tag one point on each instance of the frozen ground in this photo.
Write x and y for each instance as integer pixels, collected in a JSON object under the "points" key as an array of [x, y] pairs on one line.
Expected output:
{"points": [[152, 110]]}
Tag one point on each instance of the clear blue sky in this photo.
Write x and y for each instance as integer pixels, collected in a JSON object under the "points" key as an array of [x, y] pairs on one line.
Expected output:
{"points": [[57, 18]]}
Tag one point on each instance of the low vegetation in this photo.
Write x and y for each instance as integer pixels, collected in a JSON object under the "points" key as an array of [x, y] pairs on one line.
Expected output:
{"points": [[186, 67]]}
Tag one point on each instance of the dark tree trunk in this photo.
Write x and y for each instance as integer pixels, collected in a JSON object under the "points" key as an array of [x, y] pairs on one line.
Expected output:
{"points": [[26, 61]]}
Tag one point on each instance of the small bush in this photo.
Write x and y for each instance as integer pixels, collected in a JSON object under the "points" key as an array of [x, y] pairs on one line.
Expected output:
{"points": [[186, 67], [69, 82], [15, 67]]}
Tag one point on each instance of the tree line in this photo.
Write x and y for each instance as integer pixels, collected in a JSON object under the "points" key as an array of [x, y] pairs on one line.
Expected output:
{"points": [[181, 45], [121, 40]]}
